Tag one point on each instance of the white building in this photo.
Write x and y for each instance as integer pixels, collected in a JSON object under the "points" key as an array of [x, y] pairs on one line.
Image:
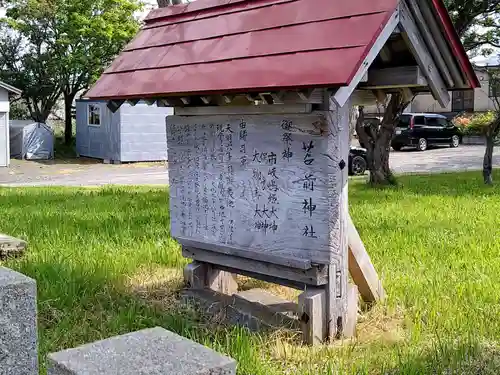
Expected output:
{"points": [[6, 91]]}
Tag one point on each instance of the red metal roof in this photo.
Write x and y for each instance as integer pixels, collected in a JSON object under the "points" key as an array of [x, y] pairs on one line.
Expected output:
{"points": [[246, 45], [241, 45]]}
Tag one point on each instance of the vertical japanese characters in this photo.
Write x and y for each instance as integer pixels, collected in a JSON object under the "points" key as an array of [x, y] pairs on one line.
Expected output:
{"points": [[308, 205], [236, 180]]}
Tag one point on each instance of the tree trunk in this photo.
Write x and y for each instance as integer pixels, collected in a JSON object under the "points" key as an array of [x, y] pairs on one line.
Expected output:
{"points": [[488, 160], [377, 141], [68, 120]]}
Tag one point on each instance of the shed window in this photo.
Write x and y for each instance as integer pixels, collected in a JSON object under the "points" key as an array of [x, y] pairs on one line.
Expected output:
{"points": [[94, 115]]}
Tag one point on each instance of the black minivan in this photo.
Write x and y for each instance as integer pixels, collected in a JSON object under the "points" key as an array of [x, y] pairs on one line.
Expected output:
{"points": [[423, 129]]}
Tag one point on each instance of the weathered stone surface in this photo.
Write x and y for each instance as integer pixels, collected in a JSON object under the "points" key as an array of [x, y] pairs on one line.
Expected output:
{"points": [[18, 330], [11, 247], [153, 351]]}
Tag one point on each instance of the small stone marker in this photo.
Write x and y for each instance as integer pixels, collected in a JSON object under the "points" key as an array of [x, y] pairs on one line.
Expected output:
{"points": [[18, 330], [153, 351], [11, 247]]}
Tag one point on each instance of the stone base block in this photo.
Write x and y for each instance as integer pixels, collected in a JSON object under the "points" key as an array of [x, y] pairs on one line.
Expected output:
{"points": [[154, 351], [18, 329], [11, 247]]}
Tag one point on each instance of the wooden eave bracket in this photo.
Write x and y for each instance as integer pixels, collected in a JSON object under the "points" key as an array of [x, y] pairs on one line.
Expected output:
{"points": [[344, 93], [436, 66], [114, 105], [415, 42]]}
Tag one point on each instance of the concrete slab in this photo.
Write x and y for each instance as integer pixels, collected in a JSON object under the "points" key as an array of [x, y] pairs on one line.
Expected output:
{"points": [[153, 351]]}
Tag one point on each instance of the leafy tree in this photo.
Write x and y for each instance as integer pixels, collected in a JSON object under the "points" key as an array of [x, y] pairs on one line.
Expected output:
{"points": [[477, 23], [60, 47]]}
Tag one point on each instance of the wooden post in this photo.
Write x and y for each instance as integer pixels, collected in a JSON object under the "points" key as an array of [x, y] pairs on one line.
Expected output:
{"points": [[361, 268], [195, 275], [312, 315], [338, 151], [199, 275], [352, 311], [221, 281]]}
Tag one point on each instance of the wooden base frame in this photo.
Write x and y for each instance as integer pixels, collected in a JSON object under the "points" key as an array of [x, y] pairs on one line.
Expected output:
{"points": [[310, 312], [214, 273]]}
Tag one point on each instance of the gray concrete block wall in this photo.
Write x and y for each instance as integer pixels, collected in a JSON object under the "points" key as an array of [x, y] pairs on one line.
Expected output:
{"points": [[18, 325], [153, 351]]}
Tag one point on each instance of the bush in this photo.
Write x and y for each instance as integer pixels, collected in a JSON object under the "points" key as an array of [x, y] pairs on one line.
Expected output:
{"points": [[474, 124]]}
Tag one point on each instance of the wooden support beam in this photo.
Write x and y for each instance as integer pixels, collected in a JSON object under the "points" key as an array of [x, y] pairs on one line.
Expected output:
{"points": [[442, 46], [315, 276], [266, 97], [195, 275], [380, 96], [200, 275], [133, 102], [404, 76], [221, 281], [305, 94], [429, 38], [362, 271], [407, 94], [166, 102], [114, 105], [363, 98], [228, 98], [312, 314], [292, 97], [385, 54], [352, 311], [206, 99], [278, 97], [186, 100], [252, 98], [150, 101], [416, 44], [246, 109], [343, 94], [301, 264], [338, 149]]}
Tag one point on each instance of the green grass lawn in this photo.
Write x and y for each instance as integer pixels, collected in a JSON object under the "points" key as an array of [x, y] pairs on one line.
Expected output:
{"points": [[105, 265]]}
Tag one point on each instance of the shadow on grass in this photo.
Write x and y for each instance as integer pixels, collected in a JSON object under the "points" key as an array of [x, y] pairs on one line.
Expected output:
{"points": [[78, 306]]}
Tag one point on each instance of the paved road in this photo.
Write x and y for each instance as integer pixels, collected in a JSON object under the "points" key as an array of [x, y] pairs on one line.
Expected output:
{"points": [[444, 159], [82, 173], [91, 173]]}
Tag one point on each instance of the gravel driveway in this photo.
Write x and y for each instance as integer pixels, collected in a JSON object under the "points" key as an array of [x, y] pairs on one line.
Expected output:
{"points": [[84, 172]]}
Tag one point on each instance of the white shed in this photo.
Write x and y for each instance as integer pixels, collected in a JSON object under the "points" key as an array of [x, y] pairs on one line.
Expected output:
{"points": [[134, 133], [6, 91]]}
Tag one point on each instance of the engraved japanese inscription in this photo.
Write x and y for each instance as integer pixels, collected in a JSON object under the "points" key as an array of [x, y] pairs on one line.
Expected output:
{"points": [[260, 183]]}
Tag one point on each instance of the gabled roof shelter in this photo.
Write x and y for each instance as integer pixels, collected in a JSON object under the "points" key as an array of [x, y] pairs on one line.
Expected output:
{"points": [[192, 51]]}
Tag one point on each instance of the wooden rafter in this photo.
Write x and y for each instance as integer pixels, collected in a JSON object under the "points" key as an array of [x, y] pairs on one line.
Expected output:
{"points": [[421, 53]]}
